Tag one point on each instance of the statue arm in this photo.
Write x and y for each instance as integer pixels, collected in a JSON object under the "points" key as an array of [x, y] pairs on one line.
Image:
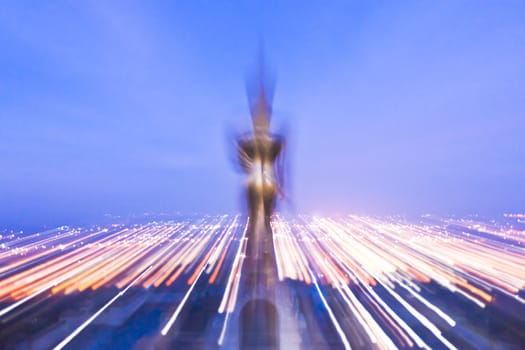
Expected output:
{"points": [[243, 153], [279, 164]]}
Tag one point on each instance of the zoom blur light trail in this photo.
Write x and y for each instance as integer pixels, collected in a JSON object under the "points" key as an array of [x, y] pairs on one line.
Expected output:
{"points": [[396, 280]]}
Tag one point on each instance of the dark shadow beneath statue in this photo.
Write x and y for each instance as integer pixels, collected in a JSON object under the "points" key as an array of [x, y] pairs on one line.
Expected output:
{"points": [[259, 325]]}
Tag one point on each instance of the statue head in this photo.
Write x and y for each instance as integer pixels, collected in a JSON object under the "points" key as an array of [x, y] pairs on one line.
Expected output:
{"points": [[261, 112], [260, 92]]}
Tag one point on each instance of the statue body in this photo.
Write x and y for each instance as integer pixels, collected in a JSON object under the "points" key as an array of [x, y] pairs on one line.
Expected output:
{"points": [[259, 154]]}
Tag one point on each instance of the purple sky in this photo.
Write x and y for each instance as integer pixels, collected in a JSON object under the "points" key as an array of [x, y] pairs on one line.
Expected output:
{"points": [[390, 107]]}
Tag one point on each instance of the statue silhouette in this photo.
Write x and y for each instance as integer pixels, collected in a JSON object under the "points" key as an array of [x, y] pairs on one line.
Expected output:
{"points": [[259, 154]]}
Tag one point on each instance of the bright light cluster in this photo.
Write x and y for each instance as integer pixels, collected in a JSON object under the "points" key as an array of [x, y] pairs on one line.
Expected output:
{"points": [[377, 272]]}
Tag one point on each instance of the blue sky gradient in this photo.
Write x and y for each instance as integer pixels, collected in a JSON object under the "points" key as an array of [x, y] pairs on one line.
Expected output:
{"points": [[390, 106]]}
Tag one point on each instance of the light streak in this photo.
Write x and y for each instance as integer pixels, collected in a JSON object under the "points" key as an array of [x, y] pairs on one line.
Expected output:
{"points": [[235, 275], [337, 326], [385, 274], [193, 281], [79, 329]]}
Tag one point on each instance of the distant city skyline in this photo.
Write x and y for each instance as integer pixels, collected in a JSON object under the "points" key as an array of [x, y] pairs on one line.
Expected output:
{"points": [[389, 107]]}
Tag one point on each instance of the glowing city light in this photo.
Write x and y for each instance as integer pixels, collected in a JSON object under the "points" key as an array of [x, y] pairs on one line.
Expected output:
{"points": [[376, 272]]}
